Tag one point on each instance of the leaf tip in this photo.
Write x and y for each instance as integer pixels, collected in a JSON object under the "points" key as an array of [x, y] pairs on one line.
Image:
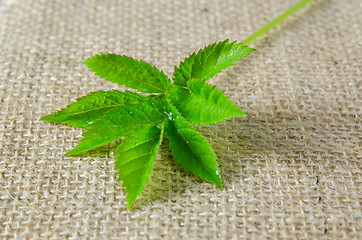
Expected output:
{"points": [[67, 154], [129, 206], [44, 118], [49, 117], [242, 114], [218, 181], [88, 61], [130, 200], [71, 152]]}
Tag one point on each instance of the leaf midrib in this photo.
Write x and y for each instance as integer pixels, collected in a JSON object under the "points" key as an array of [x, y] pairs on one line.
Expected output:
{"points": [[143, 74], [161, 78], [146, 163], [94, 109], [200, 97], [135, 147], [148, 159]]}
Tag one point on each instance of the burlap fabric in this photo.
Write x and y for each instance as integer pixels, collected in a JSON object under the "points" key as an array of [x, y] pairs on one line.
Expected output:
{"points": [[291, 169]]}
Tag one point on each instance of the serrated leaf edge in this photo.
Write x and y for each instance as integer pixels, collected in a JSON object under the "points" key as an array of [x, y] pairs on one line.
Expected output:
{"points": [[241, 112], [194, 55], [137, 66], [174, 124], [152, 154], [155, 123]]}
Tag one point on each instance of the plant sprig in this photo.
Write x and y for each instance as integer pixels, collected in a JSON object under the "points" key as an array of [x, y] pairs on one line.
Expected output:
{"points": [[165, 108]]}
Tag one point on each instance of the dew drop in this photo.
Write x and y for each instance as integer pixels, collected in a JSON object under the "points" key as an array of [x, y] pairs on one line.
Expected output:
{"points": [[169, 115]]}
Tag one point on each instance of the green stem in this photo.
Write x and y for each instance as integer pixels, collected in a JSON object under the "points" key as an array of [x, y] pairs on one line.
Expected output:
{"points": [[276, 21]]}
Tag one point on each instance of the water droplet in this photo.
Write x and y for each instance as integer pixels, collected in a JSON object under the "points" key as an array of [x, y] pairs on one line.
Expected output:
{"points": [[169, 115], [218, 172], [89, 122]]}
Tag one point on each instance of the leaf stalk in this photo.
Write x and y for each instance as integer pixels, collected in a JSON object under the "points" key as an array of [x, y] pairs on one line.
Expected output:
{"points": [[276, 21]]}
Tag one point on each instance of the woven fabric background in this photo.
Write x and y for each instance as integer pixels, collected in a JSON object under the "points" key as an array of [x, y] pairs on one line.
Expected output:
{"points": [[291, 169]]}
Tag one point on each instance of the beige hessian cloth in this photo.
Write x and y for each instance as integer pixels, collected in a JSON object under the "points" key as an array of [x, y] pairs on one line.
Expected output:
{"points": [[291, 169]]}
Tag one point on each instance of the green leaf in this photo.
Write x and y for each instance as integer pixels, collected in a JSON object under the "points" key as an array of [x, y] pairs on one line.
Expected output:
{"points": [[129, 72], [89, 108], [209, 61], [119, 121], [190, 149], [135, 157], [202, 103]]}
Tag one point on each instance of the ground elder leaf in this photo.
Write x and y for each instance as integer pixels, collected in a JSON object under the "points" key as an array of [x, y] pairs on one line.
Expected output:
{"points": [[202, 103], [89, 108], [209, 61], [135, 157], [190, 149], [199, 102], [129, 72]]}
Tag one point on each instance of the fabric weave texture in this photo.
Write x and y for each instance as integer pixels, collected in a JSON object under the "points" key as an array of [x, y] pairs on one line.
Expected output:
{"points": [[291, 169]]}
